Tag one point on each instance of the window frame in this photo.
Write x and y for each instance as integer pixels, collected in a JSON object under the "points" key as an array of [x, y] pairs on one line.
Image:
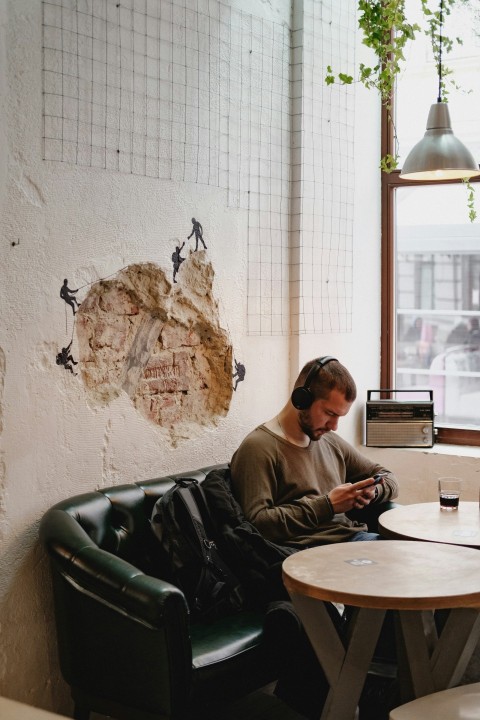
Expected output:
{"points": [[389, 183]]}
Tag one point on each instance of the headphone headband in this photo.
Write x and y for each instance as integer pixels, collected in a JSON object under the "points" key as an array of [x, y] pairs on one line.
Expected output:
{"points": [[302, 397]]}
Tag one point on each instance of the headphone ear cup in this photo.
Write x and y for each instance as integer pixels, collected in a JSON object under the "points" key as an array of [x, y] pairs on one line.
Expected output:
{"points": [[301, 398]]}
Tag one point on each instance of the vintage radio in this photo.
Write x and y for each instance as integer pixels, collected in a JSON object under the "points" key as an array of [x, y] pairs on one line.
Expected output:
{"points": [[399, 423]]}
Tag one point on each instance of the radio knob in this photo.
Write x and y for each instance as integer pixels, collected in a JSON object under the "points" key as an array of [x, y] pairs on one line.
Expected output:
{"points": [[425, 429]]}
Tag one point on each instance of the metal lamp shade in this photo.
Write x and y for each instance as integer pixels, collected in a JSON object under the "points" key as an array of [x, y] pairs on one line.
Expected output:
{"points": [[439, 155]]}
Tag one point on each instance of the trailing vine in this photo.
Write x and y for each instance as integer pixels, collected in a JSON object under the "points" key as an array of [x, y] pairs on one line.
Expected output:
{"points": [[472, 213], [376, 21], [387, 31]]}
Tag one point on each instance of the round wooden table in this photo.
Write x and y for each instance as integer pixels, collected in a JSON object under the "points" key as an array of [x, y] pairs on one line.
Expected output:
{"points": [[12, 710], [411, 578], [425, 521]]}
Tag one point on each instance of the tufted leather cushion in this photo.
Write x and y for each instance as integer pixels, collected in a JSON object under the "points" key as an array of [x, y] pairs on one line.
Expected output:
{"points": [[126, 644]]}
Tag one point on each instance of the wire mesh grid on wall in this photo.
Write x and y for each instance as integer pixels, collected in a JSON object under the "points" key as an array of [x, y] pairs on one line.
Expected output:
{"points": [[199, 91], [321, 288]]}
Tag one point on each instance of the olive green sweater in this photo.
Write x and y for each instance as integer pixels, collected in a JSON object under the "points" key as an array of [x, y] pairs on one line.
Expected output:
{"points": [[281, 487]]}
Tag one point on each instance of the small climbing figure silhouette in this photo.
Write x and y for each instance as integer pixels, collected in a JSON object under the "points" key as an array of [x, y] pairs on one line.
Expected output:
{"points": [[67, 295], [239, 373], [65, 358], [177, 260], [198, 231]]}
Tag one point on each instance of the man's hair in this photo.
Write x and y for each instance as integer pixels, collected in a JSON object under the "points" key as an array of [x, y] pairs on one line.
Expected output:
{"points": [[331, 376]]}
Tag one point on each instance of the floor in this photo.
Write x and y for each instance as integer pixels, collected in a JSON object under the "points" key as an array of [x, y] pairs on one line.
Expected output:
{"points": [[263, 705], [260, 705]]}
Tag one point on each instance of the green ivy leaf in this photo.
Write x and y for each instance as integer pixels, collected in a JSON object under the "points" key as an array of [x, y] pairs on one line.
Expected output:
{"points": [[472, 213], [389, 163]]}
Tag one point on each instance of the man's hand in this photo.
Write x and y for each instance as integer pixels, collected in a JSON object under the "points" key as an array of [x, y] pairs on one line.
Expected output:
{"points": [[352, 495]]}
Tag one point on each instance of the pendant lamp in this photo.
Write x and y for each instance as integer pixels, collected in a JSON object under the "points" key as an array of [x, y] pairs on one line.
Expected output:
{"points": [[439, 155]]}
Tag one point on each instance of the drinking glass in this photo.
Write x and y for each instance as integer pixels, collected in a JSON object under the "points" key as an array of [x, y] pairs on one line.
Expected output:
{"points": [[449, 493]]}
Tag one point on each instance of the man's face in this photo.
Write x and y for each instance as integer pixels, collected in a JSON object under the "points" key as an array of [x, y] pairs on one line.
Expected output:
{"points": [[322, 416]]}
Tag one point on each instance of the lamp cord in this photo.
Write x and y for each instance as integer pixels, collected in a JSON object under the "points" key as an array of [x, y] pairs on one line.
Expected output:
{"points": [[440, 42]]}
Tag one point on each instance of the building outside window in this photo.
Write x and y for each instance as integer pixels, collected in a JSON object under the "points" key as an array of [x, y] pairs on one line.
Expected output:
{"points": [[431, 249]]}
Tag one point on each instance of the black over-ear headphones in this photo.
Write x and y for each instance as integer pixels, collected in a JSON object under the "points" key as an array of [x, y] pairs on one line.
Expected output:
{"points": [[302, 397]]}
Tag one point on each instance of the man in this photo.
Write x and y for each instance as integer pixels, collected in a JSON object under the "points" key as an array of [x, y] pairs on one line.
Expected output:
{"points": [[67, 295], [177, 260], [239, 374], [65, 358], [295, 478], [198, 231]]}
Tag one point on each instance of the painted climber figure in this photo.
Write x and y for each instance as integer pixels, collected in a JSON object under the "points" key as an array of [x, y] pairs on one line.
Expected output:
{"points": [[67, 295], [177, 260], [65, 358], [239, 373], [198, 231]]}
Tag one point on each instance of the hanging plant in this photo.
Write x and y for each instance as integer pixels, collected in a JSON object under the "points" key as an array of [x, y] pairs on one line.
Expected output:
{"points": [[387, 31]]}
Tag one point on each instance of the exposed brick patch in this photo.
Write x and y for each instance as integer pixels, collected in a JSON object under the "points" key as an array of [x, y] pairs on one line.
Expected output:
{"points": [[162, 345]]}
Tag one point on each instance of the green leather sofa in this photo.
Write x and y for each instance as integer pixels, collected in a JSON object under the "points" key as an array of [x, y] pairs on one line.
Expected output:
{"points": [[126, 645]]}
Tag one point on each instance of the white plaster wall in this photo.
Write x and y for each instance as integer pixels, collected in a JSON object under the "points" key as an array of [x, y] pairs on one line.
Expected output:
{"points": [[57, 221], [360, 349], [83, 224], [418, 470]]}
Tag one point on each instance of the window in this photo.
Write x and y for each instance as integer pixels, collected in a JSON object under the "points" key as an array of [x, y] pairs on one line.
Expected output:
{"points": [[431, 250]]}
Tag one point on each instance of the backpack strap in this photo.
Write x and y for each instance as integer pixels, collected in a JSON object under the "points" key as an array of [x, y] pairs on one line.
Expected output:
{"points": [[190, 493], [189, 487], [185, 492]]}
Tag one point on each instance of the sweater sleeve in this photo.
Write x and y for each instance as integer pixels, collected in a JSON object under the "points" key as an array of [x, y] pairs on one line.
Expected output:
{"points": [[358, 467]]}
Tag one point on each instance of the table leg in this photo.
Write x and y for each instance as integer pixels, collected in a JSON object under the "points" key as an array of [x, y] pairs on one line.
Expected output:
{"points": [[455, 647], [426, 664], [345, 667], [413, 652]]}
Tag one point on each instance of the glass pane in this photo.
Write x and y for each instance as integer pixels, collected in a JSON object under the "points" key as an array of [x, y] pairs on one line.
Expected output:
{"points": [[417, 88], [438, 301]]}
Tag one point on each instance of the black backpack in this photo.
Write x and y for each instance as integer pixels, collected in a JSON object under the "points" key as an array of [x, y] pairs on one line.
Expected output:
{"points": [[256, 561], [182, 523]]}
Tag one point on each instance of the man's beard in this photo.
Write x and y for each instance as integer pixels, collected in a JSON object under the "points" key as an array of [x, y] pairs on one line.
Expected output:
{"points": [[305, 422]]}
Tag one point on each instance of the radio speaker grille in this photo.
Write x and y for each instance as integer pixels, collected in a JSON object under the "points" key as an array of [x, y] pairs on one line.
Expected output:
{"points": [[399, 434]]}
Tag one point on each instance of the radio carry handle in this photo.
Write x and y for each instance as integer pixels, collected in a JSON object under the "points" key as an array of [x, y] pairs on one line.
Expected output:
{"points": [[392, 390]]}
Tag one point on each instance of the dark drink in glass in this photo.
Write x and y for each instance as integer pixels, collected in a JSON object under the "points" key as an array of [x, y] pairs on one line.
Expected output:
{"points": [[448, 501]]}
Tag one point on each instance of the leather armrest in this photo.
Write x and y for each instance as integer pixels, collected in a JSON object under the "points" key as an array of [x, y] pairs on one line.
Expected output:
{"points": [[107, 577], [122, 585], [121, 633]]}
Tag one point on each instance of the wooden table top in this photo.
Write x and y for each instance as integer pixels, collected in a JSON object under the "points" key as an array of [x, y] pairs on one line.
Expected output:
{"points": [[425, 521], [12, 710], [393, 574], [457, 703]]}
